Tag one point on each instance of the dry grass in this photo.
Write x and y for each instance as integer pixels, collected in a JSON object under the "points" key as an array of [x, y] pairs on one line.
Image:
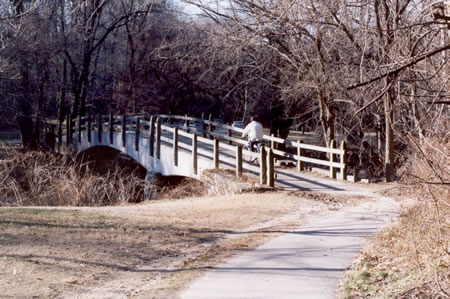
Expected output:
{"points": [[42, 179], [188, 187], [213, 182], [149, 250], [411, 259]]}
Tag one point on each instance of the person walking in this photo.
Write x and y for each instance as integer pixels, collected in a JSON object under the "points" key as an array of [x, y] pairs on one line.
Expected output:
{"points": [[254, 132]]}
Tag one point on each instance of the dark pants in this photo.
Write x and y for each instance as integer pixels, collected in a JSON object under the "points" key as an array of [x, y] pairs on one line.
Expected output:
{"points": [[253, 145]]}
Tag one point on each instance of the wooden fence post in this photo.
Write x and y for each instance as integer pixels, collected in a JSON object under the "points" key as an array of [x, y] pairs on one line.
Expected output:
{"points": [[111, 129], [186, 122], [270, 168], [175, 146], [194, 153], [152, 136], [239, 161], [300, 153], [89, 128], [332, 159], [263, 166], [138, 128], [204, 129], [158, 138], [344, 160], [355, 174], [99, 128], [203, 124], [272, 143], [216, 153], [124, 131], [79, 128], [230, 134]]}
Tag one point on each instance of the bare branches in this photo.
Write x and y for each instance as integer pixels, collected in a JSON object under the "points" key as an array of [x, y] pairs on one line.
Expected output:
{"points": [[18, 10], [397, 70]]}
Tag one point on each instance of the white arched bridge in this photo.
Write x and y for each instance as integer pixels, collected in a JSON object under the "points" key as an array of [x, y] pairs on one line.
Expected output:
{"points": [[187, 146]]}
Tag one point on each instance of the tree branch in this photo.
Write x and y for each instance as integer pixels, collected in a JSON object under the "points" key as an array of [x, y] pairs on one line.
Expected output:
{"points": [[400, 68]]}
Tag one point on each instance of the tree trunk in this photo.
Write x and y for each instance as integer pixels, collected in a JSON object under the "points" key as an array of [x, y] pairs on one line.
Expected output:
{"points": [[389, 145], [25, 108], [26, 132], [62, 96], [327, 119]]}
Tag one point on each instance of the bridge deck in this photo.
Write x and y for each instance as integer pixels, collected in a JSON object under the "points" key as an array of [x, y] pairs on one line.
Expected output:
{"points": [[177, 150]]}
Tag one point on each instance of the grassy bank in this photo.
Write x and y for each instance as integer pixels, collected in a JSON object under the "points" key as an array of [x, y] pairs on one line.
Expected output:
{"points": [[148, 250], [412, 258]]}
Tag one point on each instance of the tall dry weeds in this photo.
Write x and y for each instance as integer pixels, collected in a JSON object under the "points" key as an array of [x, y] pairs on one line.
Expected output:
{"points": [[41, 179], [428, 174], [188, 187], [412, 258]]}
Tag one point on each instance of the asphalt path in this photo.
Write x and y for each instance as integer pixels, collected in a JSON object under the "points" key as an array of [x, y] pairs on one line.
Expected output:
{"points": [[306, 262]]}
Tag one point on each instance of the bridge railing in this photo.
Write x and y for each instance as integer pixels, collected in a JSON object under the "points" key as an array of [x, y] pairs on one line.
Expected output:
{"points": [[159, 131], [213, 134], [297, 151]]}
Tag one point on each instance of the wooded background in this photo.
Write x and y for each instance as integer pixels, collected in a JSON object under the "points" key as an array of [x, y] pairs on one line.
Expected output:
{"points": [[347, 68]]}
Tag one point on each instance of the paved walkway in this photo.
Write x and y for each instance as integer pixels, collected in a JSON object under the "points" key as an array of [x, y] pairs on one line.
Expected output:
{"points": [[306, 262], [291, 179]]}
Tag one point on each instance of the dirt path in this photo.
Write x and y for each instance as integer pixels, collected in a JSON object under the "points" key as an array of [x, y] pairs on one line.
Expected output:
{"points": [[154, 250]]}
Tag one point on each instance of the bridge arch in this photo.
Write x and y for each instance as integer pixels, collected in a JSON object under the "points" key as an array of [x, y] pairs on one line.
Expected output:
{"points": [[101, 157], [139, 150], [98, 152]]}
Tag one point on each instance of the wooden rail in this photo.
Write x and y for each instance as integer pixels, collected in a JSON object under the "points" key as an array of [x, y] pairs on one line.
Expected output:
{"points": [[208, 133]]}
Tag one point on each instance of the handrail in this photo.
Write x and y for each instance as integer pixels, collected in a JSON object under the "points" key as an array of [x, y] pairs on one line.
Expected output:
{"points": [[209, 130]]}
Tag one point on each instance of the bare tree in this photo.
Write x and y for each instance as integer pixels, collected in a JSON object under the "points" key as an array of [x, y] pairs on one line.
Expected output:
{"points": [[25, 72], [91, 23], [405, 39], [324, 46], [301, 42]]}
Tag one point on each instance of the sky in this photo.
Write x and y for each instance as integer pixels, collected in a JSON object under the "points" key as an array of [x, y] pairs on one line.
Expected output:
{"points": [[194, 10], [189, 9]]}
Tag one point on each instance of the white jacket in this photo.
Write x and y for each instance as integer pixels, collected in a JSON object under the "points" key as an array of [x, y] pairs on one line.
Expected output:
{"points": [[254, 131]]}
